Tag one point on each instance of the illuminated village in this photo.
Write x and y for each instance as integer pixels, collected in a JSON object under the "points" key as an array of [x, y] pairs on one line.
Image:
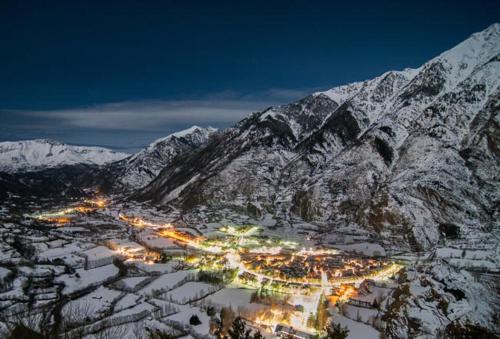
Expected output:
{"points": [[171, 272]]}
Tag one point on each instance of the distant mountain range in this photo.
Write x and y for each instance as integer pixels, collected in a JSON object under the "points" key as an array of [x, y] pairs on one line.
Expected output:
{"points": [[33, 155], [47, 167]]}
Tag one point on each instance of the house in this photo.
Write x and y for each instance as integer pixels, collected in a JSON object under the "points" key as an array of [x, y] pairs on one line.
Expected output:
{"points": [[289, 332], [128, 249], [98, 256]]}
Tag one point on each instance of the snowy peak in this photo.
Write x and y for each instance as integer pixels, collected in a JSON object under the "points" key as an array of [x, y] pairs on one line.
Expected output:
{"points": [[458, 62], [285, 125], [139, 169], [464, 59], [191, 133], [193, 130], [38, 154], [478, 49]]}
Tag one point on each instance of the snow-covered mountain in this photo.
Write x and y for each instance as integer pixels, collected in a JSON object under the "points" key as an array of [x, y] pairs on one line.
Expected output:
{"points": [[33, 155], [45, 167], [406, 156], [140, 168]]}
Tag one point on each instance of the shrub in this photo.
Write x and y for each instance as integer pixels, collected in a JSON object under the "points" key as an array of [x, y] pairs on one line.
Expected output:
{"points": [[194, 320], [336, 331]]}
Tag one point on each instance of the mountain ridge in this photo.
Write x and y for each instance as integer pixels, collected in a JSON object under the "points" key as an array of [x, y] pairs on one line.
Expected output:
{"points": [[38, 154], [140, 168], [348, 162]]}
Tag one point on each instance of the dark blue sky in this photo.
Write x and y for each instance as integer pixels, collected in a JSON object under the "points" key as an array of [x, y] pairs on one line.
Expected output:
{"points": [[150, 67]]}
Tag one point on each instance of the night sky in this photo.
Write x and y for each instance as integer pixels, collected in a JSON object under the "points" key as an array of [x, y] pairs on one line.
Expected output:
{"points": [[122, 73]]}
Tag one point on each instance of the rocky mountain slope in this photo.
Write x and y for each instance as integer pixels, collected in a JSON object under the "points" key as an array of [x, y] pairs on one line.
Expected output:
{"points": [[410, 155], [140, 168], [33, 155]]}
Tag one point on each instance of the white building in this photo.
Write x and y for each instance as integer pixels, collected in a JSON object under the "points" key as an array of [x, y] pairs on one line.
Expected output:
{"points": [[128, 249], [99, 256]]}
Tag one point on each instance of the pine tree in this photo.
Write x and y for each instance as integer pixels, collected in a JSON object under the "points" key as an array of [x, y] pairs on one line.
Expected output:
{"points": [[225, 320], [336, 331], [210, 311], [238, 329], [311, 320], [322, 313], [194, 320]]}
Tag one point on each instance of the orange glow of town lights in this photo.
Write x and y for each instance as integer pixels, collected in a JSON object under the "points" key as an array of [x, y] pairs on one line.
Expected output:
{"points": [[98, 202], [141, 223]]}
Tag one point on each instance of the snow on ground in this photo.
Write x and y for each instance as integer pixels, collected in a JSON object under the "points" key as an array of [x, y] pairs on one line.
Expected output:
{"points": [[72, 229], [99, 254], [4, 272], [167, 282], [129, 315], [41, 270], [365, 315], [130, 330], [185, 312], [153, 324], [141, 307], [7, 253], [377, 292], [59, 252], [92, 304], [356, 330], [86, 278], [212, 226], [175, 192], [481, 264], [71, 260], [449, 252], [268, 220], [155, 241], [130, 283], [234, 297], [167, 307], [128, 301], [159, 268], [44, 153], [366, 248], [17, 290], [190, 291]]}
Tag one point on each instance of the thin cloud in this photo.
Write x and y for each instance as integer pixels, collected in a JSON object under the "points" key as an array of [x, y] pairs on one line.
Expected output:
{"points": [[221, 109], [133, 125], [147, 115]]}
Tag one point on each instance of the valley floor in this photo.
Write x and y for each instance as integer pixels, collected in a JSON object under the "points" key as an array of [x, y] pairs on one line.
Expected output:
{"points": [[108, 268]]}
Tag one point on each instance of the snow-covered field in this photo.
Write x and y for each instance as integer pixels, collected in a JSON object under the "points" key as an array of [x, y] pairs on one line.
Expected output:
{"points": [[234, 297], [185, 313], [357, 330], [82, 278], [93, 304], [131, 283], [190, 291], [167, 282]]}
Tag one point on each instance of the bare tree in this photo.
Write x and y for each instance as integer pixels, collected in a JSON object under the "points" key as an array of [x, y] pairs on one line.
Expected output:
{"points": [[111, 332], [138, 330], [75, 314], [25, 324]]}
